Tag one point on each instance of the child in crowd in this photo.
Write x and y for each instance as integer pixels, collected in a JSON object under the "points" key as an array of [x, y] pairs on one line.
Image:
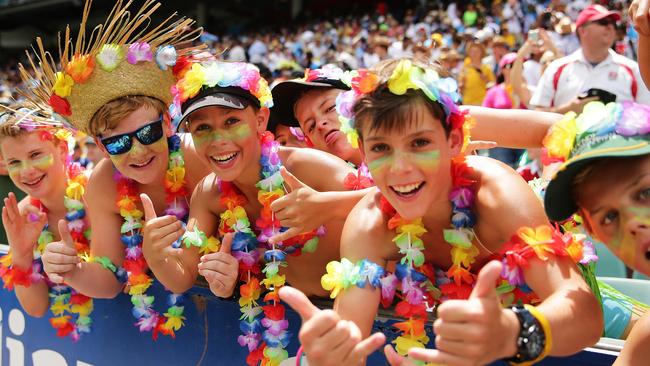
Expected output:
{"points": [[603, 177], [119, 93], [225, 106], [35, 149], [412, 135]]}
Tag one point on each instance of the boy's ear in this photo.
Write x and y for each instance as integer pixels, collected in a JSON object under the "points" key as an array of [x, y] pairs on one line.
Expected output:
{"points": [[101, 147], [262, 119], [455, 141], [586, 222]]}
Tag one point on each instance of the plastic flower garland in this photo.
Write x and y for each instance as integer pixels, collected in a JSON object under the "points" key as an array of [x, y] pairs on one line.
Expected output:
{"points": [[264, 328], [597, 119], [70, 309], [138, 281], [193, 76]]}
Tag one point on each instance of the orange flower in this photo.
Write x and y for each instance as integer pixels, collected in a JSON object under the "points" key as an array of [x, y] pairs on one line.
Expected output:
{"points": [[80, 68]]}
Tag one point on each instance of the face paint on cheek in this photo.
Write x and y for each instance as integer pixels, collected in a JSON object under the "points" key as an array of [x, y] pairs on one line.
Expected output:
{"points": [[427, 160], [239, 132], [624, 243], [380, 165], [43, 163]]}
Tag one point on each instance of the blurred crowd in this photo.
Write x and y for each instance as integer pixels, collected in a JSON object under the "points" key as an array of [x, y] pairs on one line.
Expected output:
{"points": [[475, 42]]}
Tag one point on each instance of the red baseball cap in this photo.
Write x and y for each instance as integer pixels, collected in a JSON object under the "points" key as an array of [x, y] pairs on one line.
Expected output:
{"points": [[595, 12]]}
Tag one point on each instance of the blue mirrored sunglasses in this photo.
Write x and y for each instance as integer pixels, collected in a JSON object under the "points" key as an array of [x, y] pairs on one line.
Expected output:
{"points": [[146, 135]]}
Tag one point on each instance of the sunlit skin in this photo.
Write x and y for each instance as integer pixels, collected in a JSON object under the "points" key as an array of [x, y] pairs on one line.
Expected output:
{"points": [[284, 137], [101, 196], [614, 200], [234, 156], [34, 165], [37, 167], [154, 156], [316, 113]]}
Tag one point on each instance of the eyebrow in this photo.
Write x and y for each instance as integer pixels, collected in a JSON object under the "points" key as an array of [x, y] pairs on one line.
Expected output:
{"points": [[627, 187], [411, 135]]}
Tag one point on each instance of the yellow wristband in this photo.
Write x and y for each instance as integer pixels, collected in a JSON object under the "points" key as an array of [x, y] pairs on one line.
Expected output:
{"points": [[546, 326]]}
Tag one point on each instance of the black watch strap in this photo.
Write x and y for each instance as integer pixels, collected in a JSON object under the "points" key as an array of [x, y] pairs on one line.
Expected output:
{"points": [[531, 339]]}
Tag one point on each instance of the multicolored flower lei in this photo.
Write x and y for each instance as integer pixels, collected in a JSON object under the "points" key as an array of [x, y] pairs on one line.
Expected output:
{"points": [[193, 76], [265, 337], [138, 282], [597, 119], [71, 310]]}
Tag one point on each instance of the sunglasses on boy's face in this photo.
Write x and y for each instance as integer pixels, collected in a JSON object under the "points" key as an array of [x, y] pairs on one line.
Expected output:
{"points": [[146, 135], [604, 22]]}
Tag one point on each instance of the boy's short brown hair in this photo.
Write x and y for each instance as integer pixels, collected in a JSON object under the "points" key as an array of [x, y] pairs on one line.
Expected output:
{"points": [[381, 109], [111, 113]]}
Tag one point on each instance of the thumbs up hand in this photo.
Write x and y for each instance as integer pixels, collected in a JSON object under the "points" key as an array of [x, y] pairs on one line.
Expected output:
{"points": [[327, 339], [60, 257], [159, 234], [301, 210], [220, 269], [475, 331]]}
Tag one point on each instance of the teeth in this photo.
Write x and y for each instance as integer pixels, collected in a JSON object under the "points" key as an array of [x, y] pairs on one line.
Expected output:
{"points": [[225, 157], [407, 188], [34, 181], [143, 164]]}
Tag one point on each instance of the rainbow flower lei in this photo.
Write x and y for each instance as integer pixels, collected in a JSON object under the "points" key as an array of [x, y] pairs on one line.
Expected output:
{"points": [[266, 336], [71, 310], [192, 76], [597, 119], [138, 281]]}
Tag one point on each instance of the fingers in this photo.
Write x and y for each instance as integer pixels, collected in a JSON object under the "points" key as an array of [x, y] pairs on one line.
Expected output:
{"points": [[59, 253], [369, 345], [226, 243], [293, 231], [147, 205], [219, 262], [452, 331], [458, 311], [393, 358], [486, 283], [451, 346], [5, 217], [281, 203], [66, 238], [291, 181], [299, 302], [437, 357], [55, 277], [12, 210]]}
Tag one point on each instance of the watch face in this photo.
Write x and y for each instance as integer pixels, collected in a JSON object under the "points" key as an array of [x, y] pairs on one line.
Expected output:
{"points": [[535, 344]]}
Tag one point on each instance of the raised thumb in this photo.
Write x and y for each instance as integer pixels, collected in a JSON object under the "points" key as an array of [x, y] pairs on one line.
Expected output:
{"points": [[293, 182], [147, 205], [64, 232], [299, 302], [226, 243], [486, 283]]}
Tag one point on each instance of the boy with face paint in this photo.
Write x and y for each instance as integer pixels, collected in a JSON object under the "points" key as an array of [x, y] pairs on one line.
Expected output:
{"points": [[119, 94], [604, 157], [412, 136], [225, 106], [35, 149], [310, 103]]}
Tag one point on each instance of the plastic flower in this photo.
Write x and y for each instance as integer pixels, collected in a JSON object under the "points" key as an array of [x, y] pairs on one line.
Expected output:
{"points": [[541, 240], [110, 56], [63, 85], [339, 276], [365, 82], [192, 82], [80, 68], [404, 344], [561, 138], [402, 78], [166, 57], [59, 105], [138, 52], [634, 119]]}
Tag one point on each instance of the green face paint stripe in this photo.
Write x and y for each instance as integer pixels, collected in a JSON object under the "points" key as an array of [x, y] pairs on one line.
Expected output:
{"points": [[43, 162], [380, 163], [239, 132], [429, 159]]}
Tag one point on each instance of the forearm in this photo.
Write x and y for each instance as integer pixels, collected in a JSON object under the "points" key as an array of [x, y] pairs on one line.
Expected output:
{"points": [[575, 318], [174, 274], [644, 59], [93, 280], [340, 203], [34, 299], [515, 128]]}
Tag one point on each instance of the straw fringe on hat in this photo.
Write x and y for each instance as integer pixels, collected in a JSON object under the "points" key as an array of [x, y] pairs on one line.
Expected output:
{"points": [[126, 55]]}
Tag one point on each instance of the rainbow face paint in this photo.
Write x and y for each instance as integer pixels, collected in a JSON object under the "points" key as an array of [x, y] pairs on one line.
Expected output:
{"points": [[41, 163], [238, 132], [425, 160], [624, 243]]}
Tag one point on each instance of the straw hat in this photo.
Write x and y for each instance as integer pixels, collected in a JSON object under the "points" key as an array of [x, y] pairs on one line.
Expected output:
{"points": [[126, 55]]}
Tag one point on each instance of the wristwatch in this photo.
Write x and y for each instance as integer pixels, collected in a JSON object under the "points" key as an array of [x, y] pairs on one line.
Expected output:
{"points": [[531, 339]]}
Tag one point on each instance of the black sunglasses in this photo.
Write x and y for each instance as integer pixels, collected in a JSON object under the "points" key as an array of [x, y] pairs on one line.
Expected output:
{"points": [[146, 135], [604, 22]]}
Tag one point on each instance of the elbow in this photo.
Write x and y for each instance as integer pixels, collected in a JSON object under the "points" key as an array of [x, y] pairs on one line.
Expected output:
{"points": [[36, 311]]}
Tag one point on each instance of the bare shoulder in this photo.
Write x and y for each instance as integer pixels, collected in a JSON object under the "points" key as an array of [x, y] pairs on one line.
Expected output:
{"points": [[101, 184], [208, 193], [293, 157], [318, 169], [366, 234], [504, 202]]}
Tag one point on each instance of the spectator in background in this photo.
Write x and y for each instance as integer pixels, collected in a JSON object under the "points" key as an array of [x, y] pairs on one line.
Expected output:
{"points": [[564, 36], [450, 62], [78, 157], [499, 48], [502, 96], [593, 66], [475, 76], [93, 153], [470, 16]]}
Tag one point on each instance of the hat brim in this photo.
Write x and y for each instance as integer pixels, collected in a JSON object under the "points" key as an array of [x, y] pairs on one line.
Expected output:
{"points": [[600, 16], [559, 201], [287, 93], [227, 97]]}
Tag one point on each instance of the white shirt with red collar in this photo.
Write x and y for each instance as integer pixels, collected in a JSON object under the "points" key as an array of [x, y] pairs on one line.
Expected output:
{"points": [[566, 78]]}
